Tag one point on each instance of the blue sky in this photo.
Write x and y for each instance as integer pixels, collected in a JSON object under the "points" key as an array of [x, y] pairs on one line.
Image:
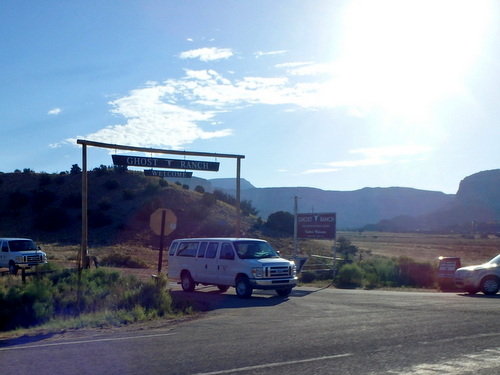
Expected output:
{"points": [[337, 95]]}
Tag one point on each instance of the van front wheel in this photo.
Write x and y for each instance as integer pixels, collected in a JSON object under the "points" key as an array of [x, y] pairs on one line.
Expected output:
{"points": [[285, 292], [187, 282], [243, 287]]}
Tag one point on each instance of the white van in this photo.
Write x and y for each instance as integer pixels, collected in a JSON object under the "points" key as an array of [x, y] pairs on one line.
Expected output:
{"points": [[244, 263], [18, 253]]}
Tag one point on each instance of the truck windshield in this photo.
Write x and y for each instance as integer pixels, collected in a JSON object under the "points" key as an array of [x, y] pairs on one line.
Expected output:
{"points": [[254, 250], [22, 245]]}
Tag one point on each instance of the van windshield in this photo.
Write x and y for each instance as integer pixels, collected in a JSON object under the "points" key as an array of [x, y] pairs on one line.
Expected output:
{"points": [[22, 245], [254, 250]]}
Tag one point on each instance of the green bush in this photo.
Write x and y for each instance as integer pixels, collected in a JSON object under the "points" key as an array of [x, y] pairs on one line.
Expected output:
{"points": [[350, 276], [111, 297]]}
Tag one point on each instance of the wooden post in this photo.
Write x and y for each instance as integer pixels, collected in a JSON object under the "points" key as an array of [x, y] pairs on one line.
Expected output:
{"points": [[82, 259], [238, 197]]}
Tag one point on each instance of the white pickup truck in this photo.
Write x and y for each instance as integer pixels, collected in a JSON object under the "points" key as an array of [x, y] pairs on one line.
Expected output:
{"points": [[18, 253], [482, 278]]}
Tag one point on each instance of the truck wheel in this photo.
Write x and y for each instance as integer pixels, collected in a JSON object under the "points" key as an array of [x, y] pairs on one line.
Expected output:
{"points": [[285, 292], [13, 268], [223, 288], [490, 285], [187, 282], [243, 287]]}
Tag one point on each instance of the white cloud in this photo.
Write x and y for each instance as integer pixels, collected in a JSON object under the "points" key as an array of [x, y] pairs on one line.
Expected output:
{"points": [[269, 53], [207, 54], [154, 122], [375, 156], [54, 111]]}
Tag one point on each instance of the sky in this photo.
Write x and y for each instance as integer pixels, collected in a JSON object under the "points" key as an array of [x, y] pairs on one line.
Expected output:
{"points": [[335, 95]]}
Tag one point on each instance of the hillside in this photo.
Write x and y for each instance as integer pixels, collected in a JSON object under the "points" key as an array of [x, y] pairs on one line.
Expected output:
{"points": [[47, 208], [354, 208], [475, 208]]}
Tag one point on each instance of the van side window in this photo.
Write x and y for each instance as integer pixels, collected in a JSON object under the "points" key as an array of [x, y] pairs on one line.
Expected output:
{"points": [[5, 247], [202, 249], [212, 250], [187, 249], [226, 251], [173, 247]]}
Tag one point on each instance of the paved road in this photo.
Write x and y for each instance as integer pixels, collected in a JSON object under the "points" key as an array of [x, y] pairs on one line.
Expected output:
{"points": [[314, 331]]}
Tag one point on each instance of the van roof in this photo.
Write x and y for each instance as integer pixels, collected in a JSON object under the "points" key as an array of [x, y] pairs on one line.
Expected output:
{"points": [[219, 239], [14, 238]]}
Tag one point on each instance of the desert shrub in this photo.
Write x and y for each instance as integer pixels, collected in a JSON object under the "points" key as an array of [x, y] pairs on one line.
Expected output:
{"points": [[416, 274], [128, 195], [350, 276], [44, 180], [111, 184], [163, 183], [73, 200], [151, 189], [199, 189], [17, 200], [216, 228], [104, 205], [43, 198], [98, 219], [122, 260], [379, 272], [52, 219], [209, 199]]}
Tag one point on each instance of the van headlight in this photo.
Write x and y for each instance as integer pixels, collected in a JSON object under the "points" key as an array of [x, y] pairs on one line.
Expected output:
{"points": [[257, 272]]}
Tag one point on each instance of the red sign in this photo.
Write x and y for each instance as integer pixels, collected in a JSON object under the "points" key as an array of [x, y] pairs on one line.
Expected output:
{"points": [[321, 225]]}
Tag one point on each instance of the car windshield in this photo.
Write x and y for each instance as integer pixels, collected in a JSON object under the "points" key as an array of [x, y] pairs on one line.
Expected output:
{"points": [[495, 260], [255, 250], [22, 245]]}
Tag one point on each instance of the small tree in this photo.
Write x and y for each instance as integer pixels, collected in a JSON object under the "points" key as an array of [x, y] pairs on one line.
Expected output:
{"points": [[345, 248], [75, 169], [281, 220]]}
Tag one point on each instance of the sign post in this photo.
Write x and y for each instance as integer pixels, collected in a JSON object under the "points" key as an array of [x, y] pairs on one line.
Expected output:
{"points": [[162, 222]]}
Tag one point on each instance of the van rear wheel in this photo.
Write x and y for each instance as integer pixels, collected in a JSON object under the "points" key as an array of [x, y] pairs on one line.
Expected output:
{"points": [[13, 268], [223, 288], [187, 282], [243, 287]]}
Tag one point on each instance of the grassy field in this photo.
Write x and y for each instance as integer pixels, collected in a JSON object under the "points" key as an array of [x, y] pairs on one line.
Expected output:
{"points": [[420, 247], [427, 247]]}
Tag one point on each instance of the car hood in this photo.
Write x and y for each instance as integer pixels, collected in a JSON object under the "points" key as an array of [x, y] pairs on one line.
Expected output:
{"points": [[479, 267]]}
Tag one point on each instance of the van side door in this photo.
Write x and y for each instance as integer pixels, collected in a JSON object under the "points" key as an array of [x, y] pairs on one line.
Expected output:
{"points": [[226, 266], [206, 263]]}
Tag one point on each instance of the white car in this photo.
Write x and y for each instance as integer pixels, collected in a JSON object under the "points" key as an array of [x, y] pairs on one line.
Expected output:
{"points": [[18, 253], [482, 278]]}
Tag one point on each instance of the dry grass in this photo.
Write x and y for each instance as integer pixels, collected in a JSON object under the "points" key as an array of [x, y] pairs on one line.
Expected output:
{"points": [[427, 247], [420, 247]]}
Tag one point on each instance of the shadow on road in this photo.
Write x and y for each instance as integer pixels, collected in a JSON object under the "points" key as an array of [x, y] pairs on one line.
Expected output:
{"points": [[478, 295], [208, 298], [24, 340]]}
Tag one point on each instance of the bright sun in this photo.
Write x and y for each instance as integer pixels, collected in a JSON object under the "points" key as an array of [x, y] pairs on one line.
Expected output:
{"points": [[402, 56]]}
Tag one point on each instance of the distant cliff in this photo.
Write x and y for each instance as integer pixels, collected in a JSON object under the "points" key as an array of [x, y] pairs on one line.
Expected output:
{"points": [[354, 209]]}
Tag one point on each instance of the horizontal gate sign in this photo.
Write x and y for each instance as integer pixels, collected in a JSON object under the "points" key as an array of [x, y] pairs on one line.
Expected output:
{"points": [[138, 161], [174, 174], [322, 225]]}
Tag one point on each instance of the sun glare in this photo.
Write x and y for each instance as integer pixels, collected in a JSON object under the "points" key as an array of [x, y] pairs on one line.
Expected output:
{"points": [[403, 56]]}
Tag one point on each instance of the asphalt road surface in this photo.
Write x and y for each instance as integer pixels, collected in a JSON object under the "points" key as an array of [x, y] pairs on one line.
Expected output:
{"points": [[314, 331]]}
